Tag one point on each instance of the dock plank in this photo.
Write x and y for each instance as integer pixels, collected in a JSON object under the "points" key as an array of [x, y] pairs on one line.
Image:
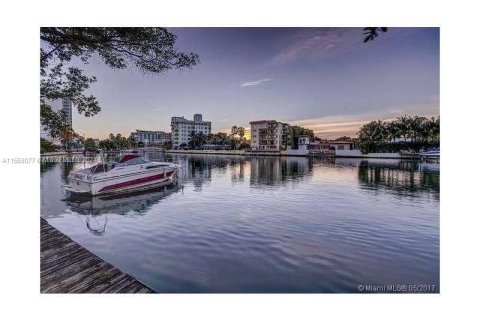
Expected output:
{"points": [[67, 267]]}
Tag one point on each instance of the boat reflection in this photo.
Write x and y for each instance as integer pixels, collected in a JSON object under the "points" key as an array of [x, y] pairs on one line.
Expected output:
{"points": [[96, 209]]}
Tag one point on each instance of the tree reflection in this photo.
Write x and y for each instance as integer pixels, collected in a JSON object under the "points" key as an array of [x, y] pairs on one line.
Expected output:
{"points": [[402, 177]]}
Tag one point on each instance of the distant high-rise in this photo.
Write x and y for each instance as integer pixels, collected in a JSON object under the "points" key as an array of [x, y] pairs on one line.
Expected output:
{"points": [[64, 104], [67, 108]]}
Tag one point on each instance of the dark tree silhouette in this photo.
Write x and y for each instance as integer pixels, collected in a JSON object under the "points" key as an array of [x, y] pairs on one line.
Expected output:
{"points": [[151, 50], [372, 32]]}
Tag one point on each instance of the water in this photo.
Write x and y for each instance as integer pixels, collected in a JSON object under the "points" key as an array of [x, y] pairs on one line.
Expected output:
{"points": [[264, 224]]}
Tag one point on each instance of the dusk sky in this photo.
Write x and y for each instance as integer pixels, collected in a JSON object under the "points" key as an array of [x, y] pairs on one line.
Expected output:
{"points": [[325, 79]]}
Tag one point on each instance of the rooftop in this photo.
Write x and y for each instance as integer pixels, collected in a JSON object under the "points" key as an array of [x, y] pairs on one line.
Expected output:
{"points": [[263, 121]]}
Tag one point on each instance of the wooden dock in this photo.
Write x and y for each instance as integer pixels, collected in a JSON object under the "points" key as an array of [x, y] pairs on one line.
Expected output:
{"points": [[67, 267]]}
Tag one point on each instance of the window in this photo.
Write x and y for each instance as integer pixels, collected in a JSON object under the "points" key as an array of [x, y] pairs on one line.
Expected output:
{"points": [[132, 162], [340, 147]]}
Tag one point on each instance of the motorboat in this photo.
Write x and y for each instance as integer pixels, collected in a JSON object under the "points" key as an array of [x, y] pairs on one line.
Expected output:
{"points": [[132, 173]]}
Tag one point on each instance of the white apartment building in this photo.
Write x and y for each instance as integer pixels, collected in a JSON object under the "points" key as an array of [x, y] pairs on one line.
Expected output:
{"points": [[269, 135], [151, 137], [182, 127], [64, 104]]}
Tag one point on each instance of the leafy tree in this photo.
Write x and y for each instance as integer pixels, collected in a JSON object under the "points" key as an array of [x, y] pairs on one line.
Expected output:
{"points": [[167, 145], [393, 130], [116, 142], [107, 144], [151, 50], [46, 146], [372, 32], [201, 138], [90, 143], [417, 133], [241, 132], [296, 131], [66, 135], [344, 138]]}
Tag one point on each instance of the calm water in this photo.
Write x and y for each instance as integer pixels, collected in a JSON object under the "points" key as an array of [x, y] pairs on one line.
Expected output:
{"points": [[264, 224]]}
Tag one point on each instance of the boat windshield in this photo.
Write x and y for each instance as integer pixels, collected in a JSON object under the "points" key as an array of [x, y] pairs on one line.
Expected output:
{"points": [[131, 161], [102, 167]]}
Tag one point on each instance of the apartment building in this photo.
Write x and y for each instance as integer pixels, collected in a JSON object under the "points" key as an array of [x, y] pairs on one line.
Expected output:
{"points": [[269, 135], [182, 127], [152, 137]]}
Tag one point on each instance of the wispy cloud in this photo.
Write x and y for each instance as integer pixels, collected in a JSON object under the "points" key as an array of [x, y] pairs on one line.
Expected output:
{"points": [[255, 83], [318, 44]]}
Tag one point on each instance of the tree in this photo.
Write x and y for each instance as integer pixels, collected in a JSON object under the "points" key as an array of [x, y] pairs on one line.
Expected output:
{"points": [[46, 146], [241, 132], [344, 138], [66, 136], [201, 138], [151, 50], [167, 145], [376, 136], [403, 124], [89, 143], [192, 135], [234, 131], [295, 131], [393, 130], [372, 32]]}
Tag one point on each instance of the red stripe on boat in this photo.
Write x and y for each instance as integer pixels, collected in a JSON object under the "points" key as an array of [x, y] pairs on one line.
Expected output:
{"points": [[135, 182]]}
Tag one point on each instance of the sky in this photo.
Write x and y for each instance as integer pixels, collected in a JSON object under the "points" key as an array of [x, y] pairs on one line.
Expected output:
{"points": [[325, 79]]}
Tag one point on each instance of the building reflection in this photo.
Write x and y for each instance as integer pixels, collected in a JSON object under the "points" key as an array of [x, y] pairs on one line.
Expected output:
{"points": [[268, 171], [238, 167]]}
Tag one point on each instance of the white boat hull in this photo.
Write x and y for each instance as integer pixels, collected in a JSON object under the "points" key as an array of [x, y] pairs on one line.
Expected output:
{"points": [[120, 180]]}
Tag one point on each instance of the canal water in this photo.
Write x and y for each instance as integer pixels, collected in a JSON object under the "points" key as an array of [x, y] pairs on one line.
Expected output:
{"points": [[263, 224]]}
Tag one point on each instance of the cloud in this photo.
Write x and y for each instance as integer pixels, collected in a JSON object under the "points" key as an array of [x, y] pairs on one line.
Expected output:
{"points": [[255, 83], [318, 44]]}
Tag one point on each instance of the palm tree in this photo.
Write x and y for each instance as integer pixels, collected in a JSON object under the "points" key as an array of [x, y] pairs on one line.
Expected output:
{"points": [[192, 135], [393, 130], [234, 131], [241, 132], [435, 129], [416, 124], [403, 127], [201, 139], [372, 32]]}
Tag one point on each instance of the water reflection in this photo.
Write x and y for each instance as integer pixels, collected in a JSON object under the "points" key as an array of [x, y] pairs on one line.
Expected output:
{"points": [[402, 177], [96, 209], [133, 203], [272, 171], [263, 224]]}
